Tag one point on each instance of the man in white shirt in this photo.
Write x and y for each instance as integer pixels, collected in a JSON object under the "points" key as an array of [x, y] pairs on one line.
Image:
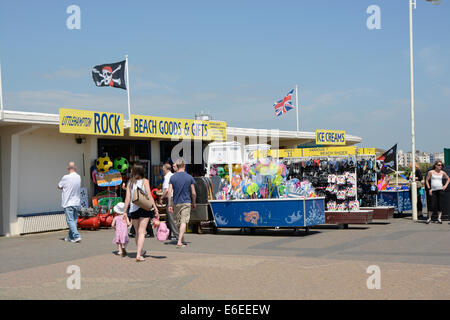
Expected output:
{"points": [[70, 185], [169, 216]]}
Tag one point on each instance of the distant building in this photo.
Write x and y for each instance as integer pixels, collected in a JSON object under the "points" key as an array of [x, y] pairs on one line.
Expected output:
{"points": [[405, 158], [401, 158], [408, 159], [437, 156], [423, 157]]}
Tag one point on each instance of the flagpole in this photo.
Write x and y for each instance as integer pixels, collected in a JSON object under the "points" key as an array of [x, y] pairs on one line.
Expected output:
{"points": [[128, 89], [1, 93], [396, 169], [296, 103]]}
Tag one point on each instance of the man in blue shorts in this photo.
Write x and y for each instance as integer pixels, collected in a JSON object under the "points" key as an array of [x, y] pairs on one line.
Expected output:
{"points": [[181, 185]]}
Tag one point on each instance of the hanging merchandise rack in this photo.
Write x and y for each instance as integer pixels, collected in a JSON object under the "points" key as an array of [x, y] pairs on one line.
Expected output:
{"points": [[333, 174], [367, 168], [255, 194]]}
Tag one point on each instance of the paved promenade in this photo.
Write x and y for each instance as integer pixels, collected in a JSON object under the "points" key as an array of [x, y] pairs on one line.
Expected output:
{"points": [[328, 263]]}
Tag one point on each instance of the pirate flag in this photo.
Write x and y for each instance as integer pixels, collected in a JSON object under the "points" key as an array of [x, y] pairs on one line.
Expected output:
{"points": [[390, 159], [110, 74]]}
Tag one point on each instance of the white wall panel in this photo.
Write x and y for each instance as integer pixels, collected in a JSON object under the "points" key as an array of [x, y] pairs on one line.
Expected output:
{"points": [[43, 158]]}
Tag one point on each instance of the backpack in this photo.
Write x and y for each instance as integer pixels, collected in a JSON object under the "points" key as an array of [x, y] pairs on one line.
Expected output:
{"points": [[162, 233]]}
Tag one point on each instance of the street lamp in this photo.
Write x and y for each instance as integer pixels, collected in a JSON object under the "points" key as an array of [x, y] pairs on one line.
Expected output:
{"points": [[412, 3]]}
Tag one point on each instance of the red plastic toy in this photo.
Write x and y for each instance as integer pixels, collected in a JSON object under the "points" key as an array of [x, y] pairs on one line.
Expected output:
{"points": [[91, 223]]}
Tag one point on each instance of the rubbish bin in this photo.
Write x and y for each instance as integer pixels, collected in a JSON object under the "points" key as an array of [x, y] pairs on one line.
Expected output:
{"points": [[202, 212]]}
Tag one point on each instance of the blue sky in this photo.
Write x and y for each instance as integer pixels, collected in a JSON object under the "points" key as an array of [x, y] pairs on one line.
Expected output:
{"points": [[234, 59]]}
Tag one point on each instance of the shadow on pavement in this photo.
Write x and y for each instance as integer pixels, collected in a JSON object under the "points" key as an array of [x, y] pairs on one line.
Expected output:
{"points": [[133, 256], [300, 232], [338, 227]]}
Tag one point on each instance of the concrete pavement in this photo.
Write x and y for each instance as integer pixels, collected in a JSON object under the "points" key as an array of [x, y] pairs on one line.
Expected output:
{"points": [[328, 263]]}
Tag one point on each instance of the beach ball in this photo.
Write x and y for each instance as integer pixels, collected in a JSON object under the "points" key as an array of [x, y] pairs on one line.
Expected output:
{"points": [[104, 164], [220, 171], [121, 164], [237, 168]]}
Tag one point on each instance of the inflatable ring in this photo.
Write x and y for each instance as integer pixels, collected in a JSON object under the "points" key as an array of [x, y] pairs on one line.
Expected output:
{"points": [[235, 181]]}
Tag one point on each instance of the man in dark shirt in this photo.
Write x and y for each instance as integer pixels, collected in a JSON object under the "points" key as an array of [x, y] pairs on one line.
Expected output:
{"points": [[181, 185]]}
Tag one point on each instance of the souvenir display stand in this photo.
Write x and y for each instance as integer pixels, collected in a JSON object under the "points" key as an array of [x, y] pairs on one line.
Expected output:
{"points": [[107, 175], [333, 174], [399, 199], [256, 194], [367, 168], [268, 213]]}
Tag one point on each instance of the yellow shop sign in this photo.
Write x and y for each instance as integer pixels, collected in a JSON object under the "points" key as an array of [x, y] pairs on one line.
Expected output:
{"points": [[90, 122], [330, 137], [171, 128], [366, 151], [329, 152], [306, 152]]}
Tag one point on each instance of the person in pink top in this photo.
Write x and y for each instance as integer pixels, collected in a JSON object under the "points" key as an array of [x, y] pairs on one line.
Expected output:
{"points": [[121, 224]]}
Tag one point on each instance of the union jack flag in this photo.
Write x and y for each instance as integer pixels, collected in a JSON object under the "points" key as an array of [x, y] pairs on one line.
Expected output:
{"points": [[284, 105]]}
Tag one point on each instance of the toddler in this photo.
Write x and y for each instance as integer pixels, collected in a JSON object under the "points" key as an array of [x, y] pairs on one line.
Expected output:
{"points": [[121, 224]]}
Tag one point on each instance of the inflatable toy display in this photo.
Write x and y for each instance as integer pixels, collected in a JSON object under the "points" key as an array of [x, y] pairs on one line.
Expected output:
{"points": [[103, 164], [121, 164], [111, 178]]}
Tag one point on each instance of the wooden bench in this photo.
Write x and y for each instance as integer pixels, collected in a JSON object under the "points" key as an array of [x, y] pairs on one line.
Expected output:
{"points": [[348, 217], [381, 213]]}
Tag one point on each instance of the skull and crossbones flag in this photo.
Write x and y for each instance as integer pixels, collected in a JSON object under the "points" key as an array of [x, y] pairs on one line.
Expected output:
{"points": [[389, 159], [110, 74]]}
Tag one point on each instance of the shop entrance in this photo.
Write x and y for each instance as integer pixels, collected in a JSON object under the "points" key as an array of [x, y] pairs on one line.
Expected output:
{"points": [[135, 151], [194, 169]]}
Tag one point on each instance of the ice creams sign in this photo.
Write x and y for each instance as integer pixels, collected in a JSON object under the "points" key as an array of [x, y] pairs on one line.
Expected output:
{"points": [[330, 137]]}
